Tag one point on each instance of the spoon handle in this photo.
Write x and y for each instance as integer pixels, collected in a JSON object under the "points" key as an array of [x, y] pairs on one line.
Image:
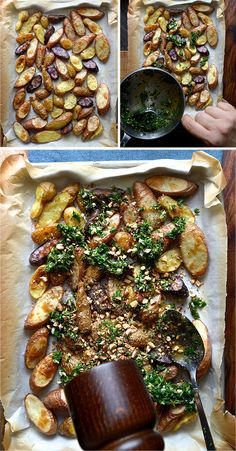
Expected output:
{"points": [[204, 423]]}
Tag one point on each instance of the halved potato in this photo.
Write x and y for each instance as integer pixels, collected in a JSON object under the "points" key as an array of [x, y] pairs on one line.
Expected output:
{"points": [[40, 416], [102, 47], [39, 282], [60, 122], [212, 35], [171, 186], [40, 313], [212, 76], [103, 98], [91, 13], [53, 210], [194, 250], [205, 364], [169, 261], [43, 373], [46, 136], [43, 234], [67, 428], [173, 209], [36, 347], [108, 232], [148, 205]]}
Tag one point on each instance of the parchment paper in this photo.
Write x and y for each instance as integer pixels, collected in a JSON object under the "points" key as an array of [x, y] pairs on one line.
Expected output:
{"points": [[136, 13], [107, 72], [19, 180]]}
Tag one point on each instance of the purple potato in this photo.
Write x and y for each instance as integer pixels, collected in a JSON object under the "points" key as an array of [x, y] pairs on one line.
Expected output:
{"points": [[49, 32], [52, 71], [176, 287], [173, 55], [39, 256], [55, 18], [67, 129], [199, 79], [86, 102], [100, 297], [34, 84], [60, 52], [148, 36], [90, 65], [22, 48], [203, 50]]}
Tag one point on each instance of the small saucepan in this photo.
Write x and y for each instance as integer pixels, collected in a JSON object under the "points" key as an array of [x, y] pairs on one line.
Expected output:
{"points": [[152, 104]]}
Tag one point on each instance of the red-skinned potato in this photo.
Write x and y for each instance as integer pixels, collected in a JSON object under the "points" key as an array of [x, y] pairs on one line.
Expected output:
{"points": [[56, 400], [171, 186], [147, 201], [36, 347], [43, 373], [40, 313], [41, 417]]}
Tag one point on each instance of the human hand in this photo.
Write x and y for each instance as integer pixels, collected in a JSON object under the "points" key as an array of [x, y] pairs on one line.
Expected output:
{"points": [[216, 125]]}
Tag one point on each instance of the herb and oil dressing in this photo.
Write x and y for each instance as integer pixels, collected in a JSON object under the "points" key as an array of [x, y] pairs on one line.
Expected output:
{"points": [[150, 102]]}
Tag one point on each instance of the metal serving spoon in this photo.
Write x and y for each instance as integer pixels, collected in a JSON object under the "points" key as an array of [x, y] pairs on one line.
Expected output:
{"points": [[188, 351]]}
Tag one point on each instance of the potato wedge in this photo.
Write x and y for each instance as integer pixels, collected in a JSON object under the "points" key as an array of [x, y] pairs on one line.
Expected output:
{"points": [[82, 43], [41, 50], [79, 127], [124, 240], [36, 347], [194, 250], [46, 136], [94, 27], [27, 26], [45, 191], [103, 98], [76, 62], [60, 122], [53, 210], [40, 313], [20, 64], [39, 282], [80, 77], [78, 23], [204, 98], [69, 29], [22, 17], [66, 428], [169, 261], [70, 102], [55, 38], [74, 217], [39, 32], [102, 47], [43, 373], [193, 17], [171, 186], [25, 77], [21, 132], [64, 87], [212, 35], [62, 69], [31, 52], [56, 400], [147, 203], [66, 43], [212, 76], [23, 110], [43, 234], [205, 364], [203, 8], [40, 416], [173, 209], [88, 53], [97, 133], [39, 109], [91, 13], [82, 91], [92, 82], [108, 232]]}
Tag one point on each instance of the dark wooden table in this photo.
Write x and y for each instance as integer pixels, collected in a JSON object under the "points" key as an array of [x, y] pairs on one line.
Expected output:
{"points": [[180, 137]]}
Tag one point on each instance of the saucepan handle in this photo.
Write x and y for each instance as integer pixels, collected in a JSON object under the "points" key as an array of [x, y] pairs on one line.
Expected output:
{"points": [[125, 139]]}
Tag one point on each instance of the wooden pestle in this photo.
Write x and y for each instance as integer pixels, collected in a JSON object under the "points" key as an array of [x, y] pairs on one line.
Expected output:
{"points": [[112, 409]]}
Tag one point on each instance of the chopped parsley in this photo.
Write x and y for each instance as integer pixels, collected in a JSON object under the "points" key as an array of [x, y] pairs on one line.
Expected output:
{"points": [[193, 38], [203, 61], [194, 304], [146, 248], [113, 331], [107, 260], [57, 356], [178, 40], [65, 378], [143, 281], [62, 323], [196, 211], [172, 24], [180, 223], [88, 199]]}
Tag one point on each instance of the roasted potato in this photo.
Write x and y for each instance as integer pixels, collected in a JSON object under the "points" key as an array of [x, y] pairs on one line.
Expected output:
{"points": [[64, 87], [40, 416], [82, 43], [74, 217], [67, 428], [194, 250], [94, 27], [44, 192], [39, 255], [78, 23], [108, 232], [169, 261], [171, 186], [21, 132], [212, 76], [173, 209], [60, 122], [55, 38], [91, 13], [53, 210], [147, 204], [39, 282], [19, 98], [102, 47], [25, 77], [36, 347], [103, 98], [43, 373], [212, 35], [205, 364], [36, 124], [56, 401], [40, 313], [46, 136], [30, 22]]}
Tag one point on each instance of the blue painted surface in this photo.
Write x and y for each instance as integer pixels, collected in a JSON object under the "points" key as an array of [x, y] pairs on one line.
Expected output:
{"points": [[46, 156]]}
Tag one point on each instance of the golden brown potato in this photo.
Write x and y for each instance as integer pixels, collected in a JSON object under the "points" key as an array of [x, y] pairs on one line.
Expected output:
{"points": [[82, 43], [44, 192], [102, 47], [21, 132], [194, 250], [169, 261], [36, 347], [205, 364], [67, 428], [53, 210], [74, 217], [25, 77], [56, 400], [91, 13], [60, 122], [64, 87], [108, 232], [148, 205], [212, 35], [55, 38], [40, 416], [171, 186], [212, 76], [40, 313], [78, 23], [46, 136], [88, 53], [32, 20], [43, 373], [31, 52], [173, 209], [39, 282], [124, 240], [94, 27], [103, 98], [36, 123], [19, 98]]}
